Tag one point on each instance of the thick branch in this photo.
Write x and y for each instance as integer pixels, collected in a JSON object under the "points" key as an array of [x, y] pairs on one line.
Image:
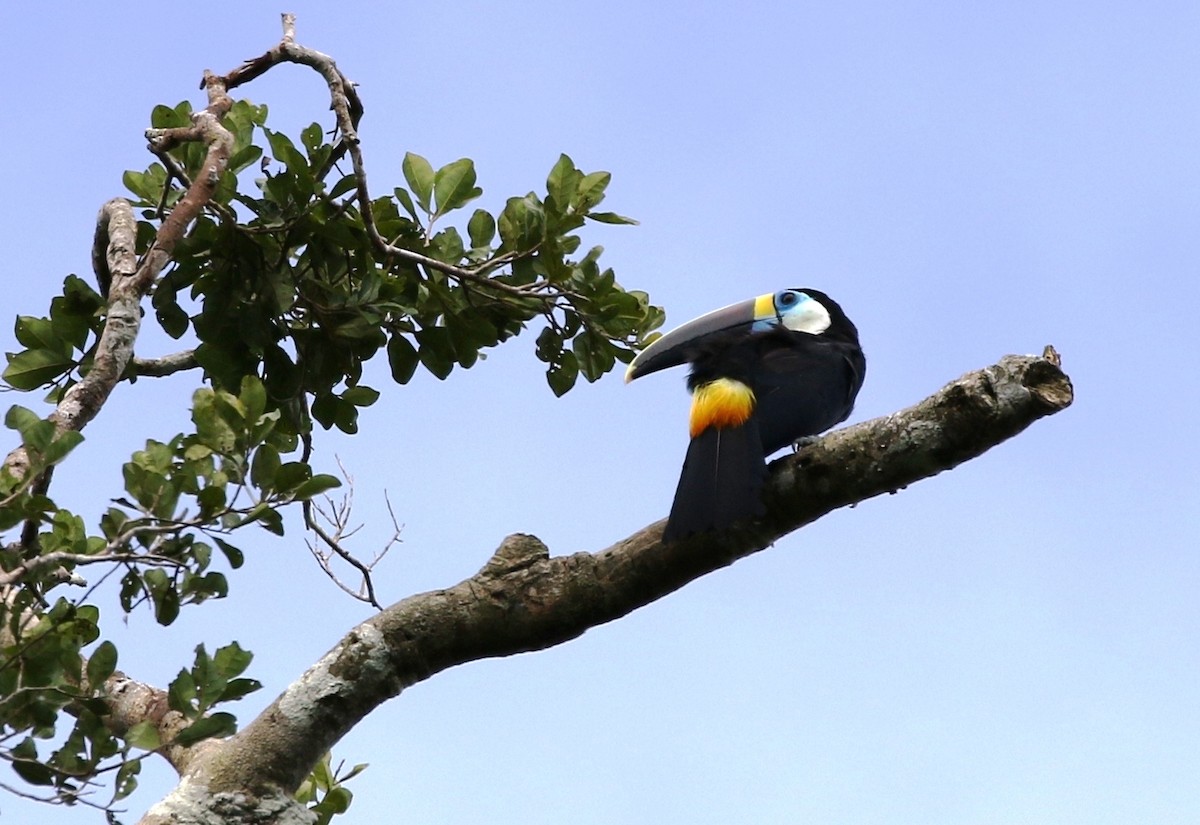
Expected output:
{"points": [[131, 702], [524, 600]]}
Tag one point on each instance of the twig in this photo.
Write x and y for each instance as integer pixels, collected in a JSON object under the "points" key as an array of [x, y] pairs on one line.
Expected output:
{"points": [[61, 557], [165, 364], [339, 520], [61, 798]]}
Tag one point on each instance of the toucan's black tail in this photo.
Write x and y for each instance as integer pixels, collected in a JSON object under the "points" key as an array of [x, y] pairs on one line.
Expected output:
{"points": [[721, 481]]}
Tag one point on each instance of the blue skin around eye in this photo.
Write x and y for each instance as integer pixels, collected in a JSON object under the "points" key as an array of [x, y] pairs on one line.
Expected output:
{"points": [[781, 306]]}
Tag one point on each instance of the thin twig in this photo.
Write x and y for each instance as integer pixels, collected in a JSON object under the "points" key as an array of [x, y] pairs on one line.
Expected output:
{"points": [[60, 557], [165, 364], [339, 520]]}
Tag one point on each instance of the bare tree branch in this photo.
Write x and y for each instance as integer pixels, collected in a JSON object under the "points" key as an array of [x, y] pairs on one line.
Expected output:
{"points": [[58, 557], [332, 544]]}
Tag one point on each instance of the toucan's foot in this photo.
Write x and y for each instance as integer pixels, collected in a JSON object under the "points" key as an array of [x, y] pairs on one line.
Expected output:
{"points": [[804, 441]]}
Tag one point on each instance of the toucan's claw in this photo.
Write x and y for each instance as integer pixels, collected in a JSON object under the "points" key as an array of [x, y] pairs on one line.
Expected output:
{"points": [[804, 441]]}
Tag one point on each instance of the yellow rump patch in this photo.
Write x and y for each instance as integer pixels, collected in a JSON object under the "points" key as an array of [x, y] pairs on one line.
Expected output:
{"points": [[721, 403]]}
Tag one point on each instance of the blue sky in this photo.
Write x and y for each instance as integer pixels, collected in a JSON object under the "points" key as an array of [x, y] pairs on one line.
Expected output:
{"points": [[1014, 641]]}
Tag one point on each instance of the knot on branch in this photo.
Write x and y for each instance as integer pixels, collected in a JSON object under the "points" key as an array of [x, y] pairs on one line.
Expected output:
{"points": [[1046, 381], [517, 551], [1048, 387]]}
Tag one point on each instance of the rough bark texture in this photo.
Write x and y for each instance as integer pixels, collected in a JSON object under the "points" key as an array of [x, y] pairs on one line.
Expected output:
{"points": [[524, 600]]}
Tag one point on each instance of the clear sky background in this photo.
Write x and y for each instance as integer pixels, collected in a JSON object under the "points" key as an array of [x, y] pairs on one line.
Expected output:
{"points": [[1013, 641]]}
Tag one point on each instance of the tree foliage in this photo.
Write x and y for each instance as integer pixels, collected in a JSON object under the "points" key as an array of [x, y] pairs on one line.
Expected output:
{"points": [[287, 281]]}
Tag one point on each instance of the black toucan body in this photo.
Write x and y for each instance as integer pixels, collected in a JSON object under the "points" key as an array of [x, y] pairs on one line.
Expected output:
{"points": [[765, 373]]}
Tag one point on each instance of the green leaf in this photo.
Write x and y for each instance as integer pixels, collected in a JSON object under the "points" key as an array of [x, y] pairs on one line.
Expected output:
{"points": [[59, 448], [181, 693], [143, 735], [563, 183], [355, 771], [137, 183], [311, 138], [591, 190], [233, 555], [166, 607], [361, 396], [172, 319], [481, 228], [561, 376], [345, 417], [591, 352], [315, 486], [337, 801], [264, 467], [163, 594], [211, 500], [232, 660], [218, 724], [243, 158], [447, 246], [419, 175], [166, 117], [612, 217], [126, 782], [291, 475], [454, 185], [220, 362], [21, 418], [39, 333], [34, 368], [101, 664], [35, 773], [237, 688], [437, 350], [211, 426], [325, 409], [522, 223], [253, 396], [282, 377], [36, 433], [406, 201], [402, 358], [347, 184]]}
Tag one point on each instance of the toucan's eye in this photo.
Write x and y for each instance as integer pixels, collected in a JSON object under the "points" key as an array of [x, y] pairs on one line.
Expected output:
{"points": [[789, 298]]}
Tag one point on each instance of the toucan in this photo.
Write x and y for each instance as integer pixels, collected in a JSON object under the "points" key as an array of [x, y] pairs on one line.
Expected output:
{"points": [[766, 373]]}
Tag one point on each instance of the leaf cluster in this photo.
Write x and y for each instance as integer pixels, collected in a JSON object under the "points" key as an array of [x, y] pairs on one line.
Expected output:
{"points": [[42, 672], [56, 347], [287, 285], [325, 792]]}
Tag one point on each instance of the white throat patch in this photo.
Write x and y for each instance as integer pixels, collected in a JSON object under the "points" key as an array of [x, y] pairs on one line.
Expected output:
{"points": [[809, 316]]}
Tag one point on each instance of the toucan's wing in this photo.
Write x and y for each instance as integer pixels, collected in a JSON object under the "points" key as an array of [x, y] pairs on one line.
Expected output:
{"points": [[804, 389]]}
